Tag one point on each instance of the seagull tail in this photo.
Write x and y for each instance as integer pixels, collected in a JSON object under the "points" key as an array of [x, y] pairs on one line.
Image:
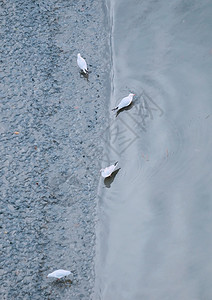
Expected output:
{"points": [[85, 71], [115, 108], [116, 163]]}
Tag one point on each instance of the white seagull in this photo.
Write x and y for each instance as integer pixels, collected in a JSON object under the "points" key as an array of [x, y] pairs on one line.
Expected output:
{"points": [[124, 102], [109, 170], [82, 63], [59, 274]]}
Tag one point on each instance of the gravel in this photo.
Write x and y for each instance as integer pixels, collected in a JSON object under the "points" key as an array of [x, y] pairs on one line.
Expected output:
{"points": [[52, 121]]}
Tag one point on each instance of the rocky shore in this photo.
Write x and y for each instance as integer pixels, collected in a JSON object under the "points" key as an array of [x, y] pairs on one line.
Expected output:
{"points": [[52, 121]]}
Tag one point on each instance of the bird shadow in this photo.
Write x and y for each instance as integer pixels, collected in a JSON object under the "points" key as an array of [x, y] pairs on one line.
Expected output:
{"points": [[84, 75], [62, 282], [109, 180], [125, 108]]}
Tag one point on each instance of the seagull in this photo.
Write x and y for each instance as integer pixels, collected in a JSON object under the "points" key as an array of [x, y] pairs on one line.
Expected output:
{"points": [[124, 102], [59, 274], [82, 63], [109, 170]]}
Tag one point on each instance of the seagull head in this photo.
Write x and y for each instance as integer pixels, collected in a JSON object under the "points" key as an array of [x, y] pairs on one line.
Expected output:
{"points": [[131, 95], [78, 55]]}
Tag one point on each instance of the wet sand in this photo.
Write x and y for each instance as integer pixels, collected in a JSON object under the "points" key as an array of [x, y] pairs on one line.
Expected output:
{"points": [[154, 230], [51, 147]]}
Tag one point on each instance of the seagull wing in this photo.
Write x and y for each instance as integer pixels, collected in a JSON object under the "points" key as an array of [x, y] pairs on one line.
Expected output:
{"points": [[82, 63], [62, 273], [124, 102], [108, 171], [59, 273]]}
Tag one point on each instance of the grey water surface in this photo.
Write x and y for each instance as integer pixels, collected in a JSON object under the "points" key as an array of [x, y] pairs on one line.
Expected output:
{"points": [[155, 218]]}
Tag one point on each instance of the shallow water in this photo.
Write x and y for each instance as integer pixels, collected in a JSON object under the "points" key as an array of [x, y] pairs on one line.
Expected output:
{"points": [[154, 231]]}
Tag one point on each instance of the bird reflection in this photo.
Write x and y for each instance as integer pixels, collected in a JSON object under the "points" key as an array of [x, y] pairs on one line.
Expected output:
{"points": [[109, 180]]}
